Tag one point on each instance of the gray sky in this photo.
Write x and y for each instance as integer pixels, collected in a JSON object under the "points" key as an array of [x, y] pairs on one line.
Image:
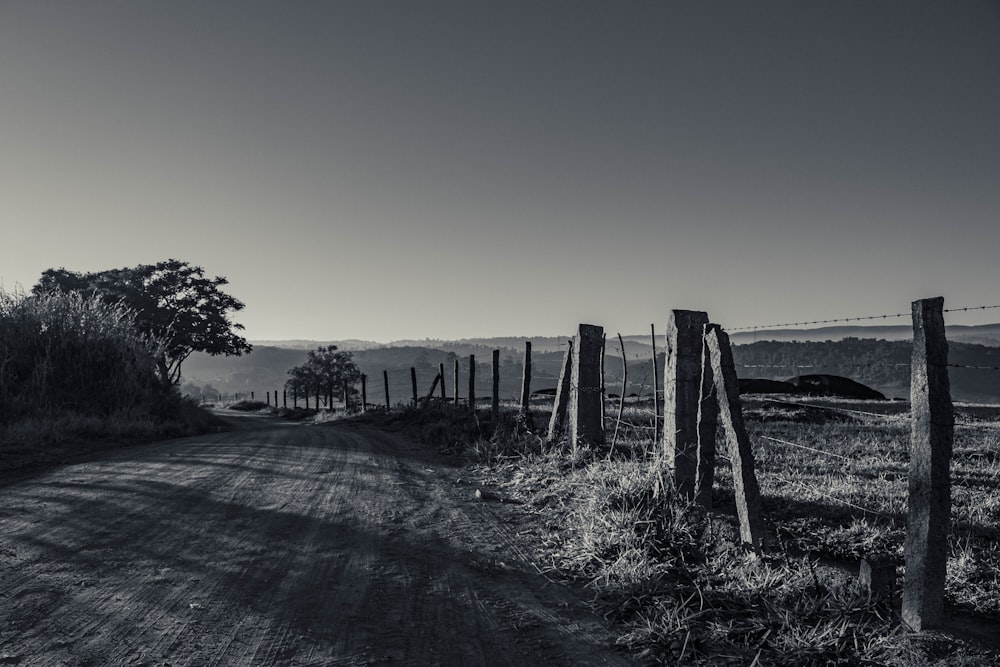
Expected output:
{"points": [[406, 169]]}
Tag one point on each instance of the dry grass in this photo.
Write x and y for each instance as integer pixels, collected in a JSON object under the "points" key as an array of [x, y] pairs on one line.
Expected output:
{"points": [[684, 591]]}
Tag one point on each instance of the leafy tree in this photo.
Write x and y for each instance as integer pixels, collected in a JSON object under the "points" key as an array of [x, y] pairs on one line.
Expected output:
{"points": [[325, 372], [174, 302]]}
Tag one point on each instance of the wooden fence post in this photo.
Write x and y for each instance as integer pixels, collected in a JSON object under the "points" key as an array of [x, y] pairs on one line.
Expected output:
{"points": [[557, 422], [931, 439], [413, 381], [745, 486], [621, 399], [441, 375], [472, 383], [295, 398], [457, 378], [430, 394], [586, 403], [385, 380], [364, 393], [284, 398], [526, 383], [317, 399], [708, 426], [495, 406], [681, 387], [657, 391], [347, 397], [252, 398]]}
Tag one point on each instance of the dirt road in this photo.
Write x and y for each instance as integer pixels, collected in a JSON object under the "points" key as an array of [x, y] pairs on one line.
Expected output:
{"points": [[277, 544]]}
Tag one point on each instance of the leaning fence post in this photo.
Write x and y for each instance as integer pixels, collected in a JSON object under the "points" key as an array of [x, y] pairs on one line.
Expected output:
{"points": [[413, 381], [745, 486], [526, 382], [472, 383], [385, 380], [364, 393], [681, 387], [931, 438], [586, 403], [708, 426], [441, 375], [557, 421], [495, 406]]}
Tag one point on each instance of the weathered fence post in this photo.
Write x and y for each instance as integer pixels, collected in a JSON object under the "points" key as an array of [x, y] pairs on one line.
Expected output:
{"points": [[457, 378], [708, 426], [385, 380], [252, 396], [586, 402], [472, 383], [931, 438], [284, 398], [557, 422], [681, 386], [495, 406], [295, 398], [745, 486], [657, 391], [430, 394], [267, 397], [621, 399], [317, 399], [364, 393], [441, 375], [413, 381], [347, 397], [526, 383]]}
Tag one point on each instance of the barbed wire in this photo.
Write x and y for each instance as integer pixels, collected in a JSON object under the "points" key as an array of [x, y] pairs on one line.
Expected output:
{"points": [[811, 449], [975, 368], [861, 318]]}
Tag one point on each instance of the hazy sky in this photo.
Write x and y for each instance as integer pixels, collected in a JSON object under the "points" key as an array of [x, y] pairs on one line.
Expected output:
{"points": [[414, 169]]}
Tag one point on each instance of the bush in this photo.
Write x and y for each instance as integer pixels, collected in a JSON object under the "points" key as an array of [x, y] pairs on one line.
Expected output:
{"points": [[64, 352], [74, 370]]}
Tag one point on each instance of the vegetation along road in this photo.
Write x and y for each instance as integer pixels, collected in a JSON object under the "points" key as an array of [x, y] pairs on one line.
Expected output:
{"points": [[275, 544]]}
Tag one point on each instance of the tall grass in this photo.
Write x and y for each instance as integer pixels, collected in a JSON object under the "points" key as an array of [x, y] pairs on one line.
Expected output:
{"points": [[72, 367]]}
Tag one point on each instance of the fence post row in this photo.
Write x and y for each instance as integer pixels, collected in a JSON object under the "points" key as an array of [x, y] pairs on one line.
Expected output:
{"points": [[557, 422], [682, 373], [745, 486], [586, 402], [931, 439]]}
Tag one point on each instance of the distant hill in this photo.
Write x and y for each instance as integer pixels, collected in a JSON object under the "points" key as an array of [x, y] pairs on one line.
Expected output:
{"points": [[880, 361]]}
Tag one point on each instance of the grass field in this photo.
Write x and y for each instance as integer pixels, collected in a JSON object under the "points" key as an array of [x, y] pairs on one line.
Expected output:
{"points": [[833, 476]]}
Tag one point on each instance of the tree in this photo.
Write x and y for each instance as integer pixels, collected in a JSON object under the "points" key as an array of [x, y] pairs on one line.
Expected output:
{"points": [[174, 302], [325, 372]]}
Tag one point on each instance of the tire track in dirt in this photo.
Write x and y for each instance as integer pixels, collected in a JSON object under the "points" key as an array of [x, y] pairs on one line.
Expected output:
{"points": [[275, 545]]}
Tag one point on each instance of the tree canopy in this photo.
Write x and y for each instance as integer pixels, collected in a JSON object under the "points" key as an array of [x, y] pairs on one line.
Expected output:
{"points": [[174, 302], [325, 372]]}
